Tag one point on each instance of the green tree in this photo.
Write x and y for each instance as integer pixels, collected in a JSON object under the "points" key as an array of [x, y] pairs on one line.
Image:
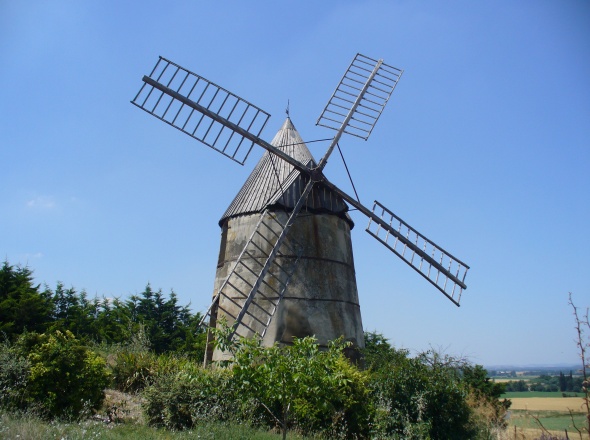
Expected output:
{"points": [[562, 382], [22, 306], [65, 377], [433, 395], [150, 310], [14, 378], [418, 400], [190, 395], [301, 385], [169, 327], [74, 312], [569, 382], [476, 378], [113, 321], [517, 385], [545, 383], [378, 354]]}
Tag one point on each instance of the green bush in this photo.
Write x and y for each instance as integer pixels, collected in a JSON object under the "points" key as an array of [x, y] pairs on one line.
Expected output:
{"points": [[14, 376], [134, 370], [304, 388], [65, 377], [189, 396], [298, 387], [426, 396]]}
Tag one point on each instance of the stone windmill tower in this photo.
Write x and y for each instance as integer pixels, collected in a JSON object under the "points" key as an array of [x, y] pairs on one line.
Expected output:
{"points": [[316, 266], [285, 265]]}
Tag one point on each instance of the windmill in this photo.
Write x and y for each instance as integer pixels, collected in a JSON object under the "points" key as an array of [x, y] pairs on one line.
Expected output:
{"points": [[252, 289]]}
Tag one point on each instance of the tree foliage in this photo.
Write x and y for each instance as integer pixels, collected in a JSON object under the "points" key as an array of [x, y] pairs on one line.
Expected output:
{"points": [[430, 396], [14, 378], [169, 327], [303, 386], [22, 306], [189, 395], [64, 378]]}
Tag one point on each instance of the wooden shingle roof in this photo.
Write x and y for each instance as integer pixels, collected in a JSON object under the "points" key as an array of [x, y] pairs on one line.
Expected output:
{"points": [[277, 184]]}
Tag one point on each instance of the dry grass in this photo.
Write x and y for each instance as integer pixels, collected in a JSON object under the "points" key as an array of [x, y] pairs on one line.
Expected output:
{"points": [[552, 412], [122, 407], [562, 404]]}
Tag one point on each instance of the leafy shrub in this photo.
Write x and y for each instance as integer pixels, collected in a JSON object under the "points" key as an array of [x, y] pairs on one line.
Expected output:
{"points": [[488, 410], [421, 397], [14, 376], [298, 387], [65, 377], [189, 396], [304, 388], [134, 370]]}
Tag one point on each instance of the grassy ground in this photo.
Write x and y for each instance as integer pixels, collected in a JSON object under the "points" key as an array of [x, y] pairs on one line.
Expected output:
{"points": [[31, 428], [125, 411], [556, 421]]}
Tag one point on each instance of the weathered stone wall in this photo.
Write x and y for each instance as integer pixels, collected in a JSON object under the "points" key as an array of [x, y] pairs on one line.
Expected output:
{"points": [[322, 298]]}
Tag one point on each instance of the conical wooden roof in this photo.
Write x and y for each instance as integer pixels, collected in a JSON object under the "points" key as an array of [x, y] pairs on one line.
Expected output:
{"points": [[276, 183]]}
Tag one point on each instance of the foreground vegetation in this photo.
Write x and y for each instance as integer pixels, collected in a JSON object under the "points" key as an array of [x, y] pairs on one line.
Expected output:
{"points": [[147, 351], [298, 388], [27, 427]]}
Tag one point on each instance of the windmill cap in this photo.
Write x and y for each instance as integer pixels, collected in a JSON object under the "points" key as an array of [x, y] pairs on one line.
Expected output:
{"points": [[274, 183]]}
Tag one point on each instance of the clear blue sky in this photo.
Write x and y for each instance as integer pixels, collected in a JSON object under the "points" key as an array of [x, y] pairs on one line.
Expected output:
{"points": [[484, 148]]}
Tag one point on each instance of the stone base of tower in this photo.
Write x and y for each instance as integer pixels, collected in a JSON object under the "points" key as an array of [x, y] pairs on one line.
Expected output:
{"points": [[321, 299]]}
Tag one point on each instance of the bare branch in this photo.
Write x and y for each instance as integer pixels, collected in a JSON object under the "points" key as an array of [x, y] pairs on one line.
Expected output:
{"points": [[582, 325], [574, 423], [270, 412], [538, 421]]}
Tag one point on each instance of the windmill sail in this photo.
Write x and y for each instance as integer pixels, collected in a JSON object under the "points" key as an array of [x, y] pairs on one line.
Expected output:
{"points": [[373, 82], [354, 108], [438, 266], [189, 102]]}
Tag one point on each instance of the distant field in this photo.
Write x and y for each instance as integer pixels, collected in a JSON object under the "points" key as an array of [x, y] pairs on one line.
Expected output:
{"points": [[552, 420], [508, 379], [559, 404], [550, 408], [537, 394], [552, 412]]}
